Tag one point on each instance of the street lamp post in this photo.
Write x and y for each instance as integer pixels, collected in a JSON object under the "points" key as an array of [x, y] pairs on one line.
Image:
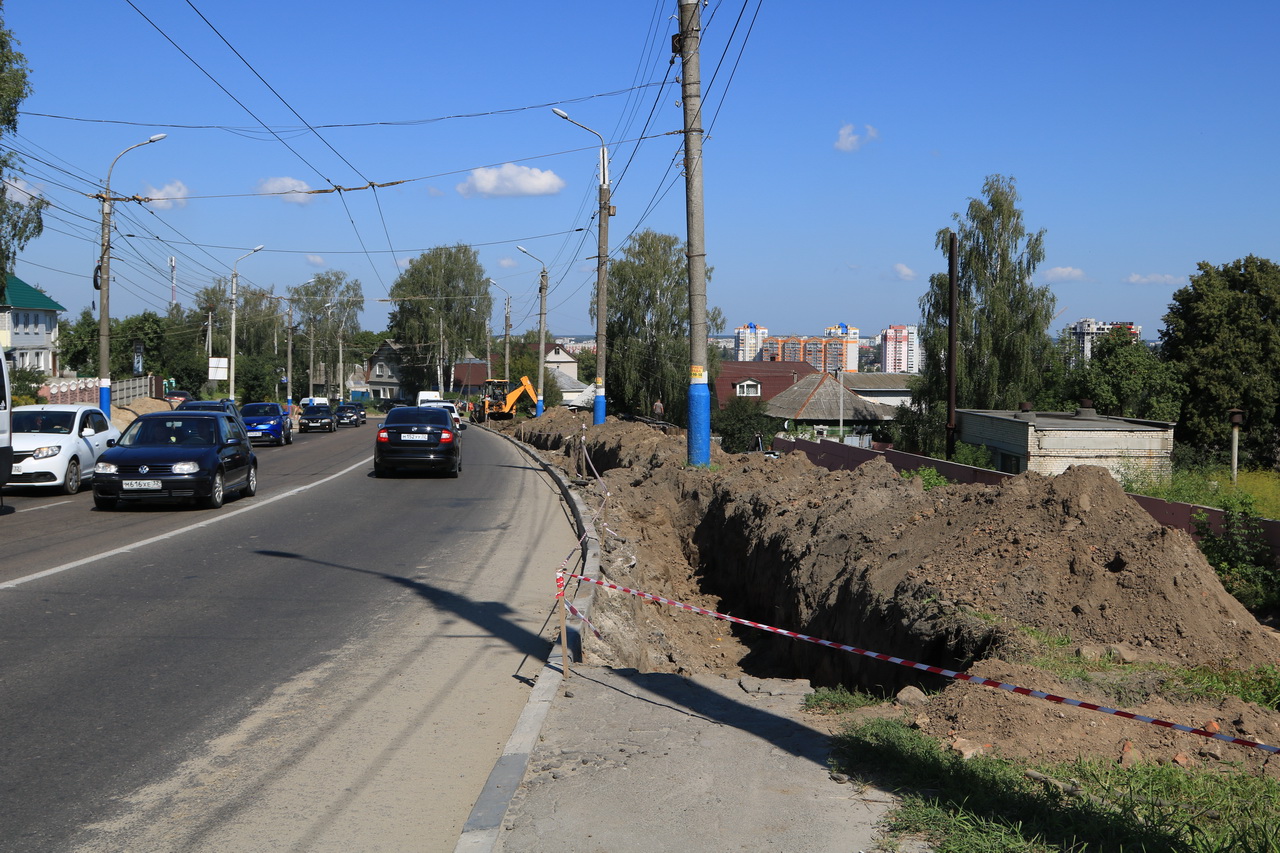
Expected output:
{"points": [[542, 325], [506, 334], [235, 277], [104, 282], [602, 268]]}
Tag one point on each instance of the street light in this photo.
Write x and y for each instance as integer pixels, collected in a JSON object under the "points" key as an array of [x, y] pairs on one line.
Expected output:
{"points": [[104, 282], [506, 333], [542, 326], [235, 277], [602, 267]]}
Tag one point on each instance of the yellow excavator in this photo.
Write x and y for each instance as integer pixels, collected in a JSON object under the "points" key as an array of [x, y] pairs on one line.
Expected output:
{"points": [[501, 397]]}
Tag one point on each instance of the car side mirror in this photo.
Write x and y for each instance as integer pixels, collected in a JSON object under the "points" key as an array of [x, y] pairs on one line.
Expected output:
{"points": [[88, 431], [111, 442], [462, 425], [233, 441]]}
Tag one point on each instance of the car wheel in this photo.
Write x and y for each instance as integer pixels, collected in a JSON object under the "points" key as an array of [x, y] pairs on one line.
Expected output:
{"points": [[71, 485], [288, 437], [251, 484], [379, 470], [217, 494], [104, 503]]}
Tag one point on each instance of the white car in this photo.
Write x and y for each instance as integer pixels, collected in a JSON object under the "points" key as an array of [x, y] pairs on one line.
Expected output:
{"points": [[448, 405], [58, 445]]}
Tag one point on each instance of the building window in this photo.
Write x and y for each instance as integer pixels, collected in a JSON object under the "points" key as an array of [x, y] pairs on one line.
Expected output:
{"points": [[378, 369], [750, 388]]}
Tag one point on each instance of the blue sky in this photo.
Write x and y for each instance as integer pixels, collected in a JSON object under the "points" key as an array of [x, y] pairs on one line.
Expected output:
{"points": [[841, 137]]}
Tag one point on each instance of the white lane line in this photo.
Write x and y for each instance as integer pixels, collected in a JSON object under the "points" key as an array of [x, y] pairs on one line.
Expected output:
{"points": [[46, 506], [163, 536]]}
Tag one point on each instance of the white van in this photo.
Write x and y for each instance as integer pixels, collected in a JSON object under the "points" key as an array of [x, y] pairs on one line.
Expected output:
{"points": [[6, 423], [426, 398]]}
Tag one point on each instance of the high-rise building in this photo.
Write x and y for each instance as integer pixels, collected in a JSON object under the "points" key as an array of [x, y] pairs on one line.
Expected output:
{"points": [[900, 349], [1084, 331], [747, 342], [835, 350]]}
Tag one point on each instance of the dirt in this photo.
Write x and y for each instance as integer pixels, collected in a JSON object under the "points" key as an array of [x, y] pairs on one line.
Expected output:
{"points": [[970, 578], [122, 416]]}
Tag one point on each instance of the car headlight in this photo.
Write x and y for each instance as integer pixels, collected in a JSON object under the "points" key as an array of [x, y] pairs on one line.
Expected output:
{"points": [[46, 452], [105, 468], [186, 467]]}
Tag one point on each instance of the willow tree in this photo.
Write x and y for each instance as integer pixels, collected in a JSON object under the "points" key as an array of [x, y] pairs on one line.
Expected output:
{"points": [[648, 326], [1002, 333], [441, 311]]}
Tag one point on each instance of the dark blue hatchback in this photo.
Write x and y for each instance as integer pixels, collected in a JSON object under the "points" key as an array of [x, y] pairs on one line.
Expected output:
{"points": [[177, 456]]}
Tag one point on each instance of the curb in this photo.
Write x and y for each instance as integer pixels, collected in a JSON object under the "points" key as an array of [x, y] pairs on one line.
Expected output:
{"points": [[484, 824]]}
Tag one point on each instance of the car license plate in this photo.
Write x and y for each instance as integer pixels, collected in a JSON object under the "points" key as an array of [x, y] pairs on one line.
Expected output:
{"points": [[413, 437], [17, 469], [140, 484], [255, 432]]}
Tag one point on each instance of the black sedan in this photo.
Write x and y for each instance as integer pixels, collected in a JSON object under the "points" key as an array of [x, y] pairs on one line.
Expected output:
{"points": [[347, 415], [317, 417], [422, 439], [177, 456]]}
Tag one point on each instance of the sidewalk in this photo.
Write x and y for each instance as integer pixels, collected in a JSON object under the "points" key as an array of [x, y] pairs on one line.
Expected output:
{"points": [[634, 763]]}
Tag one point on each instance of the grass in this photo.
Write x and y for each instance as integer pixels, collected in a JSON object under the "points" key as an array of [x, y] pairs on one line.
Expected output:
{"points": [[838, 700], [990, 805], [1209, 487]]}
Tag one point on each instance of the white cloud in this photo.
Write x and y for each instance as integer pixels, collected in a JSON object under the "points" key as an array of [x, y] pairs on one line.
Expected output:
{"points": [[172, 194], [315, 260], [403, 263], [508, 263], [1063, 274], [848, 140], [904, 272], [292, 188], [1155, 278], [21, 191], [511, 180]]}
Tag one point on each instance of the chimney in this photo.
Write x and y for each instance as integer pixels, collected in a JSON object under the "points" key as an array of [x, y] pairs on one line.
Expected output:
{"points": [[1025, 413], [1086, 410], [793, 377]]}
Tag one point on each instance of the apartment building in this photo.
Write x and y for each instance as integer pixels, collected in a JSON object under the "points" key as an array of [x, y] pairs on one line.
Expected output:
{"points": [[900, 349]]}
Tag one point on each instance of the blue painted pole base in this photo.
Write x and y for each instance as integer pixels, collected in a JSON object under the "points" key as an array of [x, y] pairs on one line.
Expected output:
{"points": [[598, 410], [699, 424]]}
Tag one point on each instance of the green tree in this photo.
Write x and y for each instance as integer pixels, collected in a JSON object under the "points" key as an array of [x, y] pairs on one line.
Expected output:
{"points": [[648, 327], [78, 343], [1003, 318], [1123, 377], [1222, 335], [327, 310], [441, 305], [743, 422], [524, 362], [20, 212]]}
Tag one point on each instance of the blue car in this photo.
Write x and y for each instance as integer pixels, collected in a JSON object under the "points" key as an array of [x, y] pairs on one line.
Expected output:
{"points": [[267, 422]]}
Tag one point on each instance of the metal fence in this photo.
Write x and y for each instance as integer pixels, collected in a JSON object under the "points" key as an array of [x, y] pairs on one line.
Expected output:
{"points": [[123, 391]]}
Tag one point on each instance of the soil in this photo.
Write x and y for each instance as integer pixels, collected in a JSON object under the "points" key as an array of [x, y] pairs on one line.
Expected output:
{"points": [[970, 578]]}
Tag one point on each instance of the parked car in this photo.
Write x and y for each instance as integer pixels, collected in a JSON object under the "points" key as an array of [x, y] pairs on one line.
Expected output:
{"points": [[57, 445], [179, 396], [346, 415], [317, 417], [177, 456], [267, 422], [420, 438]]}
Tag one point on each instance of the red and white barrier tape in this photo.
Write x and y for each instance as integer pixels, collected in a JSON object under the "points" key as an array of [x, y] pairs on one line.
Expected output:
{"points": [[937, 670]]}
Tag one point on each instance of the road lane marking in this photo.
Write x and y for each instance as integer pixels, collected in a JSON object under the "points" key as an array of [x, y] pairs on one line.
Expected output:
{"points": [[46, 506], [75, 564]]}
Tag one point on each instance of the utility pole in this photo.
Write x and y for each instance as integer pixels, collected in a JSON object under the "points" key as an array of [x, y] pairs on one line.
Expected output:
{"points": [[506, 343], [687, 43], [952, 321], [542, 325]]}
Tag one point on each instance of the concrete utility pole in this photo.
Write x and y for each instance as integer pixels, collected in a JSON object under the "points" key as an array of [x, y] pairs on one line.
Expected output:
{"points": [[542, 326], [602, 269], [953, 309], [104, 283], [235, 278], [691, 89]]}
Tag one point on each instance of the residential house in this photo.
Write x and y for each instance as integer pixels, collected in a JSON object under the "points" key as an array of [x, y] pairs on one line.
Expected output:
{"points": [[757, 380], [822, 402], [383, 368], [29, 326]]}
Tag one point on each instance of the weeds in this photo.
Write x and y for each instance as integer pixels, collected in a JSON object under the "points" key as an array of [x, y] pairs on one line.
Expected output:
{"points": [[929, 477], [991, 804], [838, 700]]}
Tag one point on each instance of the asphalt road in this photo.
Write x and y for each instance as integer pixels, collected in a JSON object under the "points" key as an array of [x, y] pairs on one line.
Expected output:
{"points": [[332, 664]]}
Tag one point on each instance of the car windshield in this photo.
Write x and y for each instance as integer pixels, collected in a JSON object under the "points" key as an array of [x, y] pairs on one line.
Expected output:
{"points": [[316, 410], [148, 432], [406, 415], [202, 406], [259, 410], [58, 423]]}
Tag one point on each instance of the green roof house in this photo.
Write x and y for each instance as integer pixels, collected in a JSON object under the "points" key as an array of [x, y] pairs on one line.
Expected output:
{"points": [[29, 326]]}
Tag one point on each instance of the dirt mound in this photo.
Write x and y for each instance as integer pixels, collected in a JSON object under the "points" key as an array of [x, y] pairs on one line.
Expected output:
{"points": [[961, 577]]}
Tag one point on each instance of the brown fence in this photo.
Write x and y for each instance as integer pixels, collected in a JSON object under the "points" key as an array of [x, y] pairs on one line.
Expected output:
{"points": [[836, 457]]}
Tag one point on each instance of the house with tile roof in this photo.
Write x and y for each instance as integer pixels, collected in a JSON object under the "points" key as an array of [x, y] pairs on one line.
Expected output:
{"points": [[29, 326]]}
